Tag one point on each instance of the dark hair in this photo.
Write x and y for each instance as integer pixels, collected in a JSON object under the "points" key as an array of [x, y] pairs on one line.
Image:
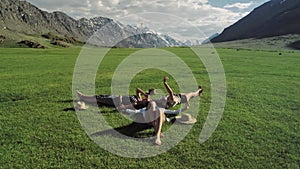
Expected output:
{"points": [[150, 90]]}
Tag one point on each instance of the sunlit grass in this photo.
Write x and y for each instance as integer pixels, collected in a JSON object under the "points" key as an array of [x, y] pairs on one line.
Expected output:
{"points": [[259, 128]]}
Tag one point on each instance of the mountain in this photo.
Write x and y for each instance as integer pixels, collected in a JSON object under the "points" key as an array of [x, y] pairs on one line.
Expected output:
{"points": [[22, 17], [273, 18], [210, 38]]}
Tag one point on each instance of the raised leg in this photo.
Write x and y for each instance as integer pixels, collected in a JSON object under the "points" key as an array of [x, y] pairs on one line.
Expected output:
{"points": [[187, 96]]}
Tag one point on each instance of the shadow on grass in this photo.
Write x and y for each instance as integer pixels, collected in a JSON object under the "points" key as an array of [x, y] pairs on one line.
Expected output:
{"points": [[69, 109], [130, 130], [133, 129]]}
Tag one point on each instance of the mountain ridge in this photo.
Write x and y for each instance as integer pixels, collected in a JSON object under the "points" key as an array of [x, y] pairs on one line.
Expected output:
{"points": [[273, 18], [23, 17]]}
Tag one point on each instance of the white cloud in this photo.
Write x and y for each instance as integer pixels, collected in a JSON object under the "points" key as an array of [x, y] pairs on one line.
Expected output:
{"points": [[100, 4], [114, 2], [239, 5], [89, 5], [179, 18]]}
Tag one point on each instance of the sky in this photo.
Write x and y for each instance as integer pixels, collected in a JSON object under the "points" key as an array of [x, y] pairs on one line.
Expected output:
{"points": [[181, 19]]}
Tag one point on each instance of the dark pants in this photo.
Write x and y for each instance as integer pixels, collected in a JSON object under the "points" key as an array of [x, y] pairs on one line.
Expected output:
{"points": [[112, 101]]}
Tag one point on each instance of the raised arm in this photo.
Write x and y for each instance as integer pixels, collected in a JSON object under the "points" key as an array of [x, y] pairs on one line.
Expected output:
{"points": [[170, 91], [139, 93]]}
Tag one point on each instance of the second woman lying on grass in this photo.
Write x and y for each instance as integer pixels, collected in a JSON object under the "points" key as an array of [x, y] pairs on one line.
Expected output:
{"points": [[141, 99]]}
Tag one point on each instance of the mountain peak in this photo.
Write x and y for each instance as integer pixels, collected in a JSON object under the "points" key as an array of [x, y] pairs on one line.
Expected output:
{"points": [[273, 18], [23, 17]]}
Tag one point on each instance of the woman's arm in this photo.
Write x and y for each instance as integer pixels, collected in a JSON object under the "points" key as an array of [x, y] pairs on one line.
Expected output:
{"points": [[139, 93], [170, 91]]}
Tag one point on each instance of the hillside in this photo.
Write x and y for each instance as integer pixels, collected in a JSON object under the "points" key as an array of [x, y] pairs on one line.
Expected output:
{"points": [[274, 18], [275, 43], [22, 17], [18, 18]]}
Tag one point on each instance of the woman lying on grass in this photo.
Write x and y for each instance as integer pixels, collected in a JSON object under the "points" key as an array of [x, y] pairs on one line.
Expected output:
{"points": [[173, 99], [157, 116], [134, 101], [131, 112], [139, 102]]}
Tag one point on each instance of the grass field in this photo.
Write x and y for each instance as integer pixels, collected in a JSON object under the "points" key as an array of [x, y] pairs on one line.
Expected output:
{"points": [[259, 128]]}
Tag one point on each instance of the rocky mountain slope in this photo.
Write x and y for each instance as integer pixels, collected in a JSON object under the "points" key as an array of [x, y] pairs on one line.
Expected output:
{"points": [[23, 17], [274, 18]]}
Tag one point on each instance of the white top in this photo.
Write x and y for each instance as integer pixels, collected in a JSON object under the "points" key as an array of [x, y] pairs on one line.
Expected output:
{"points": [[143, 111]]}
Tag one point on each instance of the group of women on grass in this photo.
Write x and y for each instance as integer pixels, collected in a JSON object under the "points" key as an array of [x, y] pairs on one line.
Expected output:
{"points": [[153, 110]]}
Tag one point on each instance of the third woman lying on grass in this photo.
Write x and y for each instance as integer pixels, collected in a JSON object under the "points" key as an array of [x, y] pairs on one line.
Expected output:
{"points": [[139, 102]]}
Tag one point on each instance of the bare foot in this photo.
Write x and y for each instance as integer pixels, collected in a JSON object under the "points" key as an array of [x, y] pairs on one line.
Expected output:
{"points": [[79, 94], [157, 141], [166, 78]]}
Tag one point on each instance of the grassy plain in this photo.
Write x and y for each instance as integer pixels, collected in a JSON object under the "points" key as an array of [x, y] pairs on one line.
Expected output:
{"points": [[259, 128]]}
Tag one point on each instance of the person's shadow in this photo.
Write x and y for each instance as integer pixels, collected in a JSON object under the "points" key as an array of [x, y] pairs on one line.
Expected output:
{"points": [[69, 109], [130, 130]]}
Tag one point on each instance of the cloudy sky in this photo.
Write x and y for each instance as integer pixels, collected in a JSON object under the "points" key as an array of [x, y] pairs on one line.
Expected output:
{"points": [[181, 19]]}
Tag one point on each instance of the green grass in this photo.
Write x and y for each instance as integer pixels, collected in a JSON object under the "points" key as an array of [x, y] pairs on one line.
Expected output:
{"points": [[259, 128]]}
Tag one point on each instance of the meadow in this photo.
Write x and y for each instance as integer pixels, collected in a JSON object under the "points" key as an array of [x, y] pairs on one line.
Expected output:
{"points": [[259, 127]]}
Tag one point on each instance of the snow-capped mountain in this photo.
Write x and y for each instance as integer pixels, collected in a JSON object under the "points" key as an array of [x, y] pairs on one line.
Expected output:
{"points": [[22, 17]]}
